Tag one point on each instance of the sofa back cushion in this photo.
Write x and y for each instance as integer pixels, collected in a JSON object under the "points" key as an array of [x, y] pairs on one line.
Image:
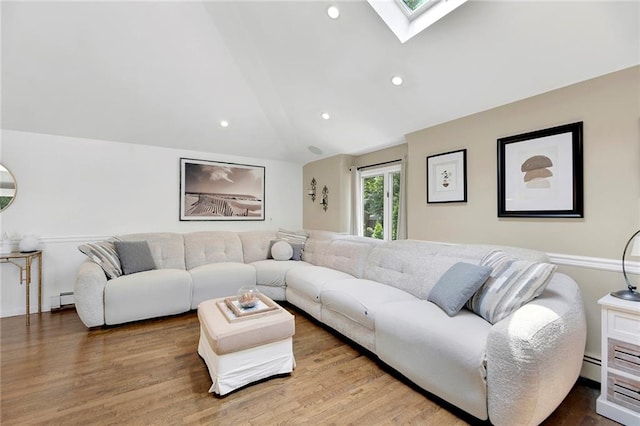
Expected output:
{"points": [[167, 249], [255, 244], [415, 266], [348, 254], [206, 247], [316, 245]]}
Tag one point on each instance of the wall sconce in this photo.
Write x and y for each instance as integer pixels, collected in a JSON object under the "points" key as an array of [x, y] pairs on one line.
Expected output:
{"points": [[311, 192], [325, 198]]}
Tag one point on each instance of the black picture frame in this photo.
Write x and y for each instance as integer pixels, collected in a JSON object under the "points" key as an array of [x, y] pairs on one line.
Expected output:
{"points": [[447, 177], [220, 191], [540, 173]]}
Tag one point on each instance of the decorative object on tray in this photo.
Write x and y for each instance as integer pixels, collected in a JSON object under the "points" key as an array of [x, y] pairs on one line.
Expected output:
{"points": [[447, 177], [230, 307], [211, 190], [540, 173], [248, 297]]}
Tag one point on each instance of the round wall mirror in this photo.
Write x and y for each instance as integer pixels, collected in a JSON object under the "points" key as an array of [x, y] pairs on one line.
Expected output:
{"points": [[7, 188]]}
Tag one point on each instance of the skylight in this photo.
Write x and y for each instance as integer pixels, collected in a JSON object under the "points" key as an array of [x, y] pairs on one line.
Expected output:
{"points": [[414, 4], [407, 18]]}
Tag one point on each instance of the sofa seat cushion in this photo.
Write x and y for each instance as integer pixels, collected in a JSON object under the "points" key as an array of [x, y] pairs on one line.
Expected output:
{"points": [[147, 294], [444, 355], [273, 273], [359, 299], [217, 280], [310, 281]]}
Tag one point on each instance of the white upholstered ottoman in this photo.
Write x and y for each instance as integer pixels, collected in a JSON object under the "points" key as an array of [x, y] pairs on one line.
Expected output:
{"points": [[239, 352]]}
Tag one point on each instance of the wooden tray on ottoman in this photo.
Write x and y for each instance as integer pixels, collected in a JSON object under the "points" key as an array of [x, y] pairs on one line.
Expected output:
{"points": [[231, 309]]}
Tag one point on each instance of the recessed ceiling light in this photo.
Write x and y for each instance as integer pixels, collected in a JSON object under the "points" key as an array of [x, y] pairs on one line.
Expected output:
{"points": [[325, 115], [333, 12], [224, 123], [396, 80]]}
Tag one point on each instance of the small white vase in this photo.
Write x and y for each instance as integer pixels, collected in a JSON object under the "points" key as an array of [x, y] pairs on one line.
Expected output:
{"points": [[6, 247], [28, 244]]}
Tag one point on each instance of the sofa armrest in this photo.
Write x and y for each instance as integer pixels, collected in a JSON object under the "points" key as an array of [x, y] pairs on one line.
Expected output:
{"points": [[534, 356], [88, 293]]}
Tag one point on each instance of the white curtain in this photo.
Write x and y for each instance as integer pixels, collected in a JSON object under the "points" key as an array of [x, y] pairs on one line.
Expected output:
{"points": [[354, 222], [402, 202]]}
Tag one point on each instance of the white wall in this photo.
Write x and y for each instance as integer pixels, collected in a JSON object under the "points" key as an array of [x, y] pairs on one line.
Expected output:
{"points": [[73, 190]]}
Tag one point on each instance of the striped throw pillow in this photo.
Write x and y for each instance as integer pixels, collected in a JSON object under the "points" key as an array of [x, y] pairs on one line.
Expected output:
{"points": [[512, 284], [104, 254], [298, 237]]}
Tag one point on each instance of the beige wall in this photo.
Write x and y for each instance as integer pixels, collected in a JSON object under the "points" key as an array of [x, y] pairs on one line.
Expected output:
{"points": [[334, 172], [397, 152], [609, 106]]}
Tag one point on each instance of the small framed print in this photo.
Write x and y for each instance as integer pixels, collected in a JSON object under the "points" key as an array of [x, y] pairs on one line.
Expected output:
{"points": [[540, 173], [447, 177]]}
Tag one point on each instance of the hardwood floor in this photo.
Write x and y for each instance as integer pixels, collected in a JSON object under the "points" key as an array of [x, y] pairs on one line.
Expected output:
{"points": [[58, 372]]}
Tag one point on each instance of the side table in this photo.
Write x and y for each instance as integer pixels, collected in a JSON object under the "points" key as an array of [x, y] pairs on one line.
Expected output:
{"points": [[620, 381], [24, 262]]}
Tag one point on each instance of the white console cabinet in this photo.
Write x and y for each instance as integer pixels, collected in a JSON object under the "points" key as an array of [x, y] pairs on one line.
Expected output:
{"points": [[620, 385]]}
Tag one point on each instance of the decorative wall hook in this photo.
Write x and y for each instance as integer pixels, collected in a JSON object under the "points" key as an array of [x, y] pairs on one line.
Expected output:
{"points": [[312, 190], [325, 198]]}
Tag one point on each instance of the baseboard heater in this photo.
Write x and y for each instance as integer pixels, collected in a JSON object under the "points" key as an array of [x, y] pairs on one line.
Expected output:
{"points": [[62, 301]]}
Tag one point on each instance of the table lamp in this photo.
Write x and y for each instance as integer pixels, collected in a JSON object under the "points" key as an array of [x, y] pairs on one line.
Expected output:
{"points": [[631, 293]]}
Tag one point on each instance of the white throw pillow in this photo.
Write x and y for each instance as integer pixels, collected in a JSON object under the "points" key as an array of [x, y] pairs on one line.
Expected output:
{"points": [[281, 250]]}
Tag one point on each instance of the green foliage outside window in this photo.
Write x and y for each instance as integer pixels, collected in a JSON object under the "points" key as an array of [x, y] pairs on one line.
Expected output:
{"points": [[373, 206], [414, 4]]}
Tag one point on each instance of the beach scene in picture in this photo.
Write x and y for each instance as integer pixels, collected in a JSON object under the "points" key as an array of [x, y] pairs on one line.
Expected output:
{"points": [[221, 190]]}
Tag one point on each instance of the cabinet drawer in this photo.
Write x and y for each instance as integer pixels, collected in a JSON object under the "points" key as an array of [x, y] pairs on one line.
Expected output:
{"points": [[624, 356], [623, 391], [624, 326]]}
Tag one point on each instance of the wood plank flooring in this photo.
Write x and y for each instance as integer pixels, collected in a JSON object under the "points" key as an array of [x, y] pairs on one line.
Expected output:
{"points": [[56, 372]]}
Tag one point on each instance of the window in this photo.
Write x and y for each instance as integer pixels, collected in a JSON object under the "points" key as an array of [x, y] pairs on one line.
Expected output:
{"points": [[407, 18], [413, 8], [380, 197]]}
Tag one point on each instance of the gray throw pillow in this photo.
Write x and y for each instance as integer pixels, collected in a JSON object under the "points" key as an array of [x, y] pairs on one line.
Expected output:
{"points": [[456, 286], [135, 256]]}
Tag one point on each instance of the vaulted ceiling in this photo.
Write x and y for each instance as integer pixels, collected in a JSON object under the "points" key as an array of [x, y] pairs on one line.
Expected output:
{"points": [[166, 73]]}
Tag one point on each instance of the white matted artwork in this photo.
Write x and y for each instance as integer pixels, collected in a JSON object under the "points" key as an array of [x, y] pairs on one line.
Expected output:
{"points": [[212, 190], [447, 177], [540, 173]]}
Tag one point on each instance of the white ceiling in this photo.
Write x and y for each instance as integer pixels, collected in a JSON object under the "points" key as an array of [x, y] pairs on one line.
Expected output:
{"points": [[166, 73]]}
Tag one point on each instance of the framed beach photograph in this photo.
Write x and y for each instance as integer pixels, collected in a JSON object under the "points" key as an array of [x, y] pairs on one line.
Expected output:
{"points": [[540, 173], [211, 190], [447, 177]]}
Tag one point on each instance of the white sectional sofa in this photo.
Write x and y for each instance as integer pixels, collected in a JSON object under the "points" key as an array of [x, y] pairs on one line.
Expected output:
{"points": [[515, 371]]}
